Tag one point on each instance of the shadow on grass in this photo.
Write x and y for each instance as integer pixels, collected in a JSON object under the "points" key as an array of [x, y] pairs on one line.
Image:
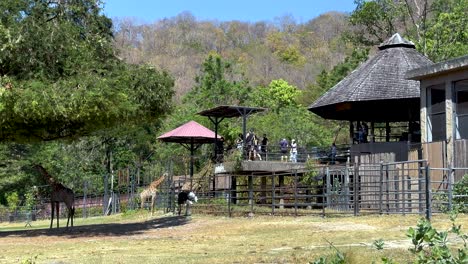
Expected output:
{"points": [[113, 229]]}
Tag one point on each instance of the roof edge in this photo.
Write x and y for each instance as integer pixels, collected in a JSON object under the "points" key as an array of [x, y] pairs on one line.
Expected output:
{"points": [[438, 68]]}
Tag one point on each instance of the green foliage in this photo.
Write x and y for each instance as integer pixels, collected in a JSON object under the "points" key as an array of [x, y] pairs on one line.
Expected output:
{"points": [[13, 201], [278, 95], [377, 20], [213, 88], [447, 32], [30, 260], [287, 52], [59, 77], [438, 28], [460, 193], [30, 198], [292, 122], [432, 246], [311, 177], [337, 258], [379, 244], [235, 157]]}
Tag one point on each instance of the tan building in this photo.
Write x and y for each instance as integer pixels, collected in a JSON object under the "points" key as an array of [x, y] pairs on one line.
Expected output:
{"points": [[444, 110]]}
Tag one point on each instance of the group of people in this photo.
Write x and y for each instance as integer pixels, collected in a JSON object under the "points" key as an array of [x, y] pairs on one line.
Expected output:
{"points": [[285, 147], [255, 147]]}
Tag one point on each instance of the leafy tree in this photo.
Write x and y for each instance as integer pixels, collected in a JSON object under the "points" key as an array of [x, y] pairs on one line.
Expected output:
{"points": [[292, 122], [438, 28], [213, 87], [276, 96], [59, 77], [376, 20], [447, 32]]}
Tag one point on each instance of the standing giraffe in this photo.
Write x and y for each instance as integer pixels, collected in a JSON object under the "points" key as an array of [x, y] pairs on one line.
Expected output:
{"points": [[151, 192], [59, 193]]}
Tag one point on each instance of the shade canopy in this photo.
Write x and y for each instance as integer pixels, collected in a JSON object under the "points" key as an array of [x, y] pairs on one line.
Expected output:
{"points": [[377, 91], [191, 132], [191, 135]]}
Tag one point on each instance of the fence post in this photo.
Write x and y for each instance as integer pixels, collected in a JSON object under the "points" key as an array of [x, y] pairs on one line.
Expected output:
{"points": [[420, 176], [387, 189], [251, 202], [450, 187], [273, 194], [356, 188], [229, 202], [328, 192], [428, 194], [85, 190], [381, 187], [295, 192]]}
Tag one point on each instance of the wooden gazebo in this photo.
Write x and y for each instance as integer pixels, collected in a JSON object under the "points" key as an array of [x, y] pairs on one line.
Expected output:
{"points": [[378, 92]]}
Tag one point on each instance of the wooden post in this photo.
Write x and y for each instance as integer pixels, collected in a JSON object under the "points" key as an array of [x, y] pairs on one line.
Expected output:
{"points": [[234, 189], [451, 180], [381, 188], [328, 192], [273, 194], [263, 184], [428, 194], [281, 186], [387, 132], [351, 132], [295, 192], [356, 188], [250, 181]]}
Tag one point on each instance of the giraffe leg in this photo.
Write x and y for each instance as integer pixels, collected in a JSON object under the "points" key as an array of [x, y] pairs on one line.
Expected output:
{"points": [[73, 215], [153, 198], [52, 208], [57, 206], [69, 214]]}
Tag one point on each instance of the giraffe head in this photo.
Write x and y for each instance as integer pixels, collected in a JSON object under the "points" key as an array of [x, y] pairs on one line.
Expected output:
{"points": [[45, 175]]}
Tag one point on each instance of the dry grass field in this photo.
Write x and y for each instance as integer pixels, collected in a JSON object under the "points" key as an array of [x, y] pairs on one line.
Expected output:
{"points": [[138, 238]]}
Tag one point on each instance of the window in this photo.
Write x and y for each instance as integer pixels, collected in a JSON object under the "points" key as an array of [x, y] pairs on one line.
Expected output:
{"points": [[461, 109], [436, 113]]}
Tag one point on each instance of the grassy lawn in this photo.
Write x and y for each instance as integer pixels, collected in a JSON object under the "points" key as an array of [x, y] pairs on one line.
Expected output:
{"points": [[139, 238]]}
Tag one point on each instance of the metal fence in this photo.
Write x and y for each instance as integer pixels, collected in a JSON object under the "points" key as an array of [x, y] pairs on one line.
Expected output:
{"points": [[351, 189], [358, 189]]}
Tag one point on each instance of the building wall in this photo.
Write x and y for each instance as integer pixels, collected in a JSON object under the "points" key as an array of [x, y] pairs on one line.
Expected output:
{"points": [[447, 79]]}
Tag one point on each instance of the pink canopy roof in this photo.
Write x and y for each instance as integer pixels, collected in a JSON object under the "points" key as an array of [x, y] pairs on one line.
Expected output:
{"points": [[191, 132]]}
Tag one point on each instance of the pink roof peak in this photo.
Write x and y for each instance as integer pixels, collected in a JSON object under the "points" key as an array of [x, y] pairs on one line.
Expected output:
{"points": [[187, 132]]}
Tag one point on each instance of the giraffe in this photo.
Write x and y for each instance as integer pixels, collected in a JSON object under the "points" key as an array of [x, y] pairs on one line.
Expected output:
{"points": [[151, 191], [59, 194]]}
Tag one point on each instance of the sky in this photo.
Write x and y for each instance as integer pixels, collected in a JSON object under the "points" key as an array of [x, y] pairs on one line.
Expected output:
{"points": [[148, 11]]}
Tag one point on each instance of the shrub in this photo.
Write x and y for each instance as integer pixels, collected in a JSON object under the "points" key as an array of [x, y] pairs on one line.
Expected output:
{"points": [[431, 246], [13, 201], [460, 195]]}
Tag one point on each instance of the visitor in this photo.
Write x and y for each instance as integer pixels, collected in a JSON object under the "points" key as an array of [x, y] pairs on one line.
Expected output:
{"points": [[249, 139], [264, 146], [293, 151], [284, 144]]}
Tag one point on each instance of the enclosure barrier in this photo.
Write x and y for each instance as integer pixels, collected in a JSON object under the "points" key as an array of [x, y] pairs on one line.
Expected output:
{"points": [[410, 187]]}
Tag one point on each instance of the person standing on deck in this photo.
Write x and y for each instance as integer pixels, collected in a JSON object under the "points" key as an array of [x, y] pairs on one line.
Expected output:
{"points": [[293, 151]]}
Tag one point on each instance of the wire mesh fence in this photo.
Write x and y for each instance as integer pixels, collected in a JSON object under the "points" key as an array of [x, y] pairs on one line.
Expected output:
{"points": [[350, 189]]}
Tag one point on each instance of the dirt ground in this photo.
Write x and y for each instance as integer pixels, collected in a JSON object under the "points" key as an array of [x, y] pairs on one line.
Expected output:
{"points": [[246, 240]]}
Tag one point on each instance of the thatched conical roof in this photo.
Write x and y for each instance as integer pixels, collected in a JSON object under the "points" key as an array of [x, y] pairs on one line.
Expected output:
{"points": [[377, 90]]}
